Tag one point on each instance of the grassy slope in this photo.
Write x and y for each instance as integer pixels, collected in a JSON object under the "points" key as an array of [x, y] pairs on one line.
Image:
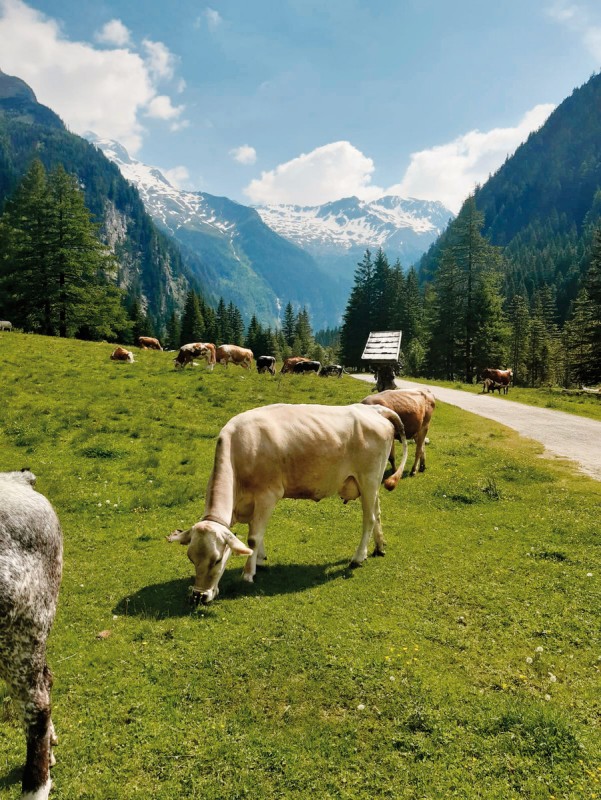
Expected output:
{"points": [[544, 397], [422, 675]]}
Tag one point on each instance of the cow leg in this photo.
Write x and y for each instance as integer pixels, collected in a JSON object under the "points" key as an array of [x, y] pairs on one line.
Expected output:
{"points": [[370, 502], [256, 528], [391, 458], [420, 453], [33, 697]]}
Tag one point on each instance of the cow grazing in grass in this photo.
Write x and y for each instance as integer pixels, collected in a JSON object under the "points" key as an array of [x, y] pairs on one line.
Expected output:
{"points": [[298, 451], [332, 369], [188, 352], [5, 325], [266, 364], [30, 574], [232, 354], [290, 363], [488, 385], [500, 376], [306, 366], [149, 343], [415, 408], [121, 354]]}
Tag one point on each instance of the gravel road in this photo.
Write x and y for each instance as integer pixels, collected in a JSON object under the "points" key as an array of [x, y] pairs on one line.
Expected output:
{"points": [[563, 435]]}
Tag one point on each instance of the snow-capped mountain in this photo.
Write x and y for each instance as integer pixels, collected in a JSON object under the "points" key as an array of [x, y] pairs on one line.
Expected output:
{"points": [[244, 260], [338, 233]]}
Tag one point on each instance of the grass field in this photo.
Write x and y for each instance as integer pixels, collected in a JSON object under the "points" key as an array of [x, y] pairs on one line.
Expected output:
{"points": [[465, 664], [585, 405]]}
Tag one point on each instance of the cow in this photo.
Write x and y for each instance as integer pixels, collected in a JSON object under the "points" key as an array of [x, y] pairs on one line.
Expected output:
{"points": [[303, 452], [5, 325], [488, 385], [266, 364], [30, 573], [306, 366], [188, 352], [232, 354], [502, 376], [290, 363], [121, 354], [415, 408], [149, 343], [332, 369]]}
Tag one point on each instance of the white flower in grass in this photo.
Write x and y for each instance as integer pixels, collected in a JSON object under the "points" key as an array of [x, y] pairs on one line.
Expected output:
{"points": [[552, 678], [539, 649], [361, 707], [529, 660]]}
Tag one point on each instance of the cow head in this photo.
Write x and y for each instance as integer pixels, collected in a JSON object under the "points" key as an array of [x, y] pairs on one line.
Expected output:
{"points": [[210, 544]]}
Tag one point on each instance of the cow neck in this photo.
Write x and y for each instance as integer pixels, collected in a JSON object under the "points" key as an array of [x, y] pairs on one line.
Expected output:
{"points": [[219, 504], [213, 518]]}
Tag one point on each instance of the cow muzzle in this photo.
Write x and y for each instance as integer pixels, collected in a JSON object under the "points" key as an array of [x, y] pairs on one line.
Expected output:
{"points": [[203, 598]]}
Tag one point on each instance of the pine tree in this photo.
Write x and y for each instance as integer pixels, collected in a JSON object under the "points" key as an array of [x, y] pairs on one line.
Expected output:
{"points": [[518, 344], [358, 316], [593, 288], [224, 329], [289, 324], [303, 335], [192, 325], [254, 336], [172, 332], [447, 319], [236, 324], [577, 340]]}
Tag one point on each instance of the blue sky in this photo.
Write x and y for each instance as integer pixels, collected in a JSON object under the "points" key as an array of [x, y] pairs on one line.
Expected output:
{"points": [[304, 101]]}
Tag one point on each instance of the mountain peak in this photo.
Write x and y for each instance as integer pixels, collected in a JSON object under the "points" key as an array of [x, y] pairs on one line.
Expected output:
{"points": [[12, 87]]}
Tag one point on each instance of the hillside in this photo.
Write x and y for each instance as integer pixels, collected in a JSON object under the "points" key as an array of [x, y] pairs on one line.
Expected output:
{"points": [[150, 265], [542, 203], [242, 258]]}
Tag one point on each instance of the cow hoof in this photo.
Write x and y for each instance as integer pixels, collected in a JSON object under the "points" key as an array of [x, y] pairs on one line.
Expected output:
{"points": [[246, 576], [378, 552], [355, 564]]}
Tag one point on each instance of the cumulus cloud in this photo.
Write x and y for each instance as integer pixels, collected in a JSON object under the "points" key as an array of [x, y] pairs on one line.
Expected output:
{"points": [[326, 173], [104, 90], [244, 154], [213, 18], [113, 33], [178, 177], [577, 18], [449, 172]]}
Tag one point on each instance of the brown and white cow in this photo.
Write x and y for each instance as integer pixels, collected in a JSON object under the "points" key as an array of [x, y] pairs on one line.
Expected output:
{"points": [[290, 363], [149, 343], [500, 376], [232, 354], [188, 352], [121, 354], [303, 452], [415, 408]]}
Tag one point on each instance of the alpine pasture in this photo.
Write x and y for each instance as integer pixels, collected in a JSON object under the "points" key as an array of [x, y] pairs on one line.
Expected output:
{"points": [[466, 663]]}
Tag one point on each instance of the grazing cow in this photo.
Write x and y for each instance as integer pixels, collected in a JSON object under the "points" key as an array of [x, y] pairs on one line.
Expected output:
{"points": [[266, 364], [232, 354], [306, 366], [290, 363], [121, 354], [502, 376], [415, 408], [149, 343], [488, 385], [188, 352], [332, 369], [30, 575], [5, 325], [298, 451]]}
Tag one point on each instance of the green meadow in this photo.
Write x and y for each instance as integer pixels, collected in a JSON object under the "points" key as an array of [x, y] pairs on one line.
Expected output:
{"points": [[464, 664]]}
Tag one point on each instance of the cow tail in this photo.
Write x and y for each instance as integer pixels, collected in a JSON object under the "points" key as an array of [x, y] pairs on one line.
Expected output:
{"points": [[399, 434]]}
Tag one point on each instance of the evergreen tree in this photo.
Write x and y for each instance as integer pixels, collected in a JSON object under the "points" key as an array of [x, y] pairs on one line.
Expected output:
{"points": [[518, 344], [254, 336], [303, 335], [224, 329], [358, 317], [577, 340], [236, 324], [192, 325], [172, 332], [593, 289], [447, 319], [381, 294], [289, 325]]}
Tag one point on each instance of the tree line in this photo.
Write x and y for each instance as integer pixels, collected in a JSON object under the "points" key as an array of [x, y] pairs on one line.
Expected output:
{"points": [[461, 321]]}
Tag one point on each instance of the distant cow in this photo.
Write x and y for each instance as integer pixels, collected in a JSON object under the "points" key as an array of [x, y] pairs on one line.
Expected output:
{"points": [[501, 376], [290, 363], [303, 452], [188, 352], [306, 366], [266, 364], [31, 556], [232, 354], [415, 408], [488, 385], [332, 369], [149, 343], [5, 325], [121, 354]]}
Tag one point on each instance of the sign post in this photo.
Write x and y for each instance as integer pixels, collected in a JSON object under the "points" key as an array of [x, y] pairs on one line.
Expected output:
{"points": [[382, 353]]}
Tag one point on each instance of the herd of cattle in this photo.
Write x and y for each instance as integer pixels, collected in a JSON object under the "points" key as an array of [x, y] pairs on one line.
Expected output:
{"points": [[261, 456]]}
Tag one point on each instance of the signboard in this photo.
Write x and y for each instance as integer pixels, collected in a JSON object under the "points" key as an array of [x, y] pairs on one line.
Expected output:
{"points": [[382, 346]]}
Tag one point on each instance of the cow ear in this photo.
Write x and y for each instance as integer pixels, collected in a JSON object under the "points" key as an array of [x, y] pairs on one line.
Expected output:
{"points": [[237, 547], [183, 537]]}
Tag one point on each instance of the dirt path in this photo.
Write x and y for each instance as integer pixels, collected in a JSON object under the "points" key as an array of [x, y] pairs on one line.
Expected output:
{"points": [[563, 435]]}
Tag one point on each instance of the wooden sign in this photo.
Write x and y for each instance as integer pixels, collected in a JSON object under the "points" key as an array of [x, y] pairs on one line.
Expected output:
{"points": [[382, 346]]}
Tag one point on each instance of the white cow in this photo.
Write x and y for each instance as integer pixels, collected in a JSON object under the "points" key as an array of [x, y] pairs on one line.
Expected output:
{"points": [[5, 325], [297, 451]]}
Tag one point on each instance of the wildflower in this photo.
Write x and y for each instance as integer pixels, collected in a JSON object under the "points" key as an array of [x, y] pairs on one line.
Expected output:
{"points": [[539, 649], [361, 707], [589, 574], [547, 697], [552, 678], [529, 660]]}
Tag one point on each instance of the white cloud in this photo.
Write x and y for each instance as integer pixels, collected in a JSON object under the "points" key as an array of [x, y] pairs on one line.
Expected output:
{"points": [[327, 173], [160, 61], [244, 154], [104, 90], [213, 18], [449, 172], [179, 177], [113, 33], [577, 19]]}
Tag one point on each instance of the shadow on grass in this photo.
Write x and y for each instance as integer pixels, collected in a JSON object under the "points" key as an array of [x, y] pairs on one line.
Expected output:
{"points": [[171, 599], [11, 778]]}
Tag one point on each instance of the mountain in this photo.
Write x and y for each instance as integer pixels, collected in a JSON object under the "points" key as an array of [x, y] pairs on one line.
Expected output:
{"points": [[338, 233], [541, 206], [151, 267], [242, 258]]}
